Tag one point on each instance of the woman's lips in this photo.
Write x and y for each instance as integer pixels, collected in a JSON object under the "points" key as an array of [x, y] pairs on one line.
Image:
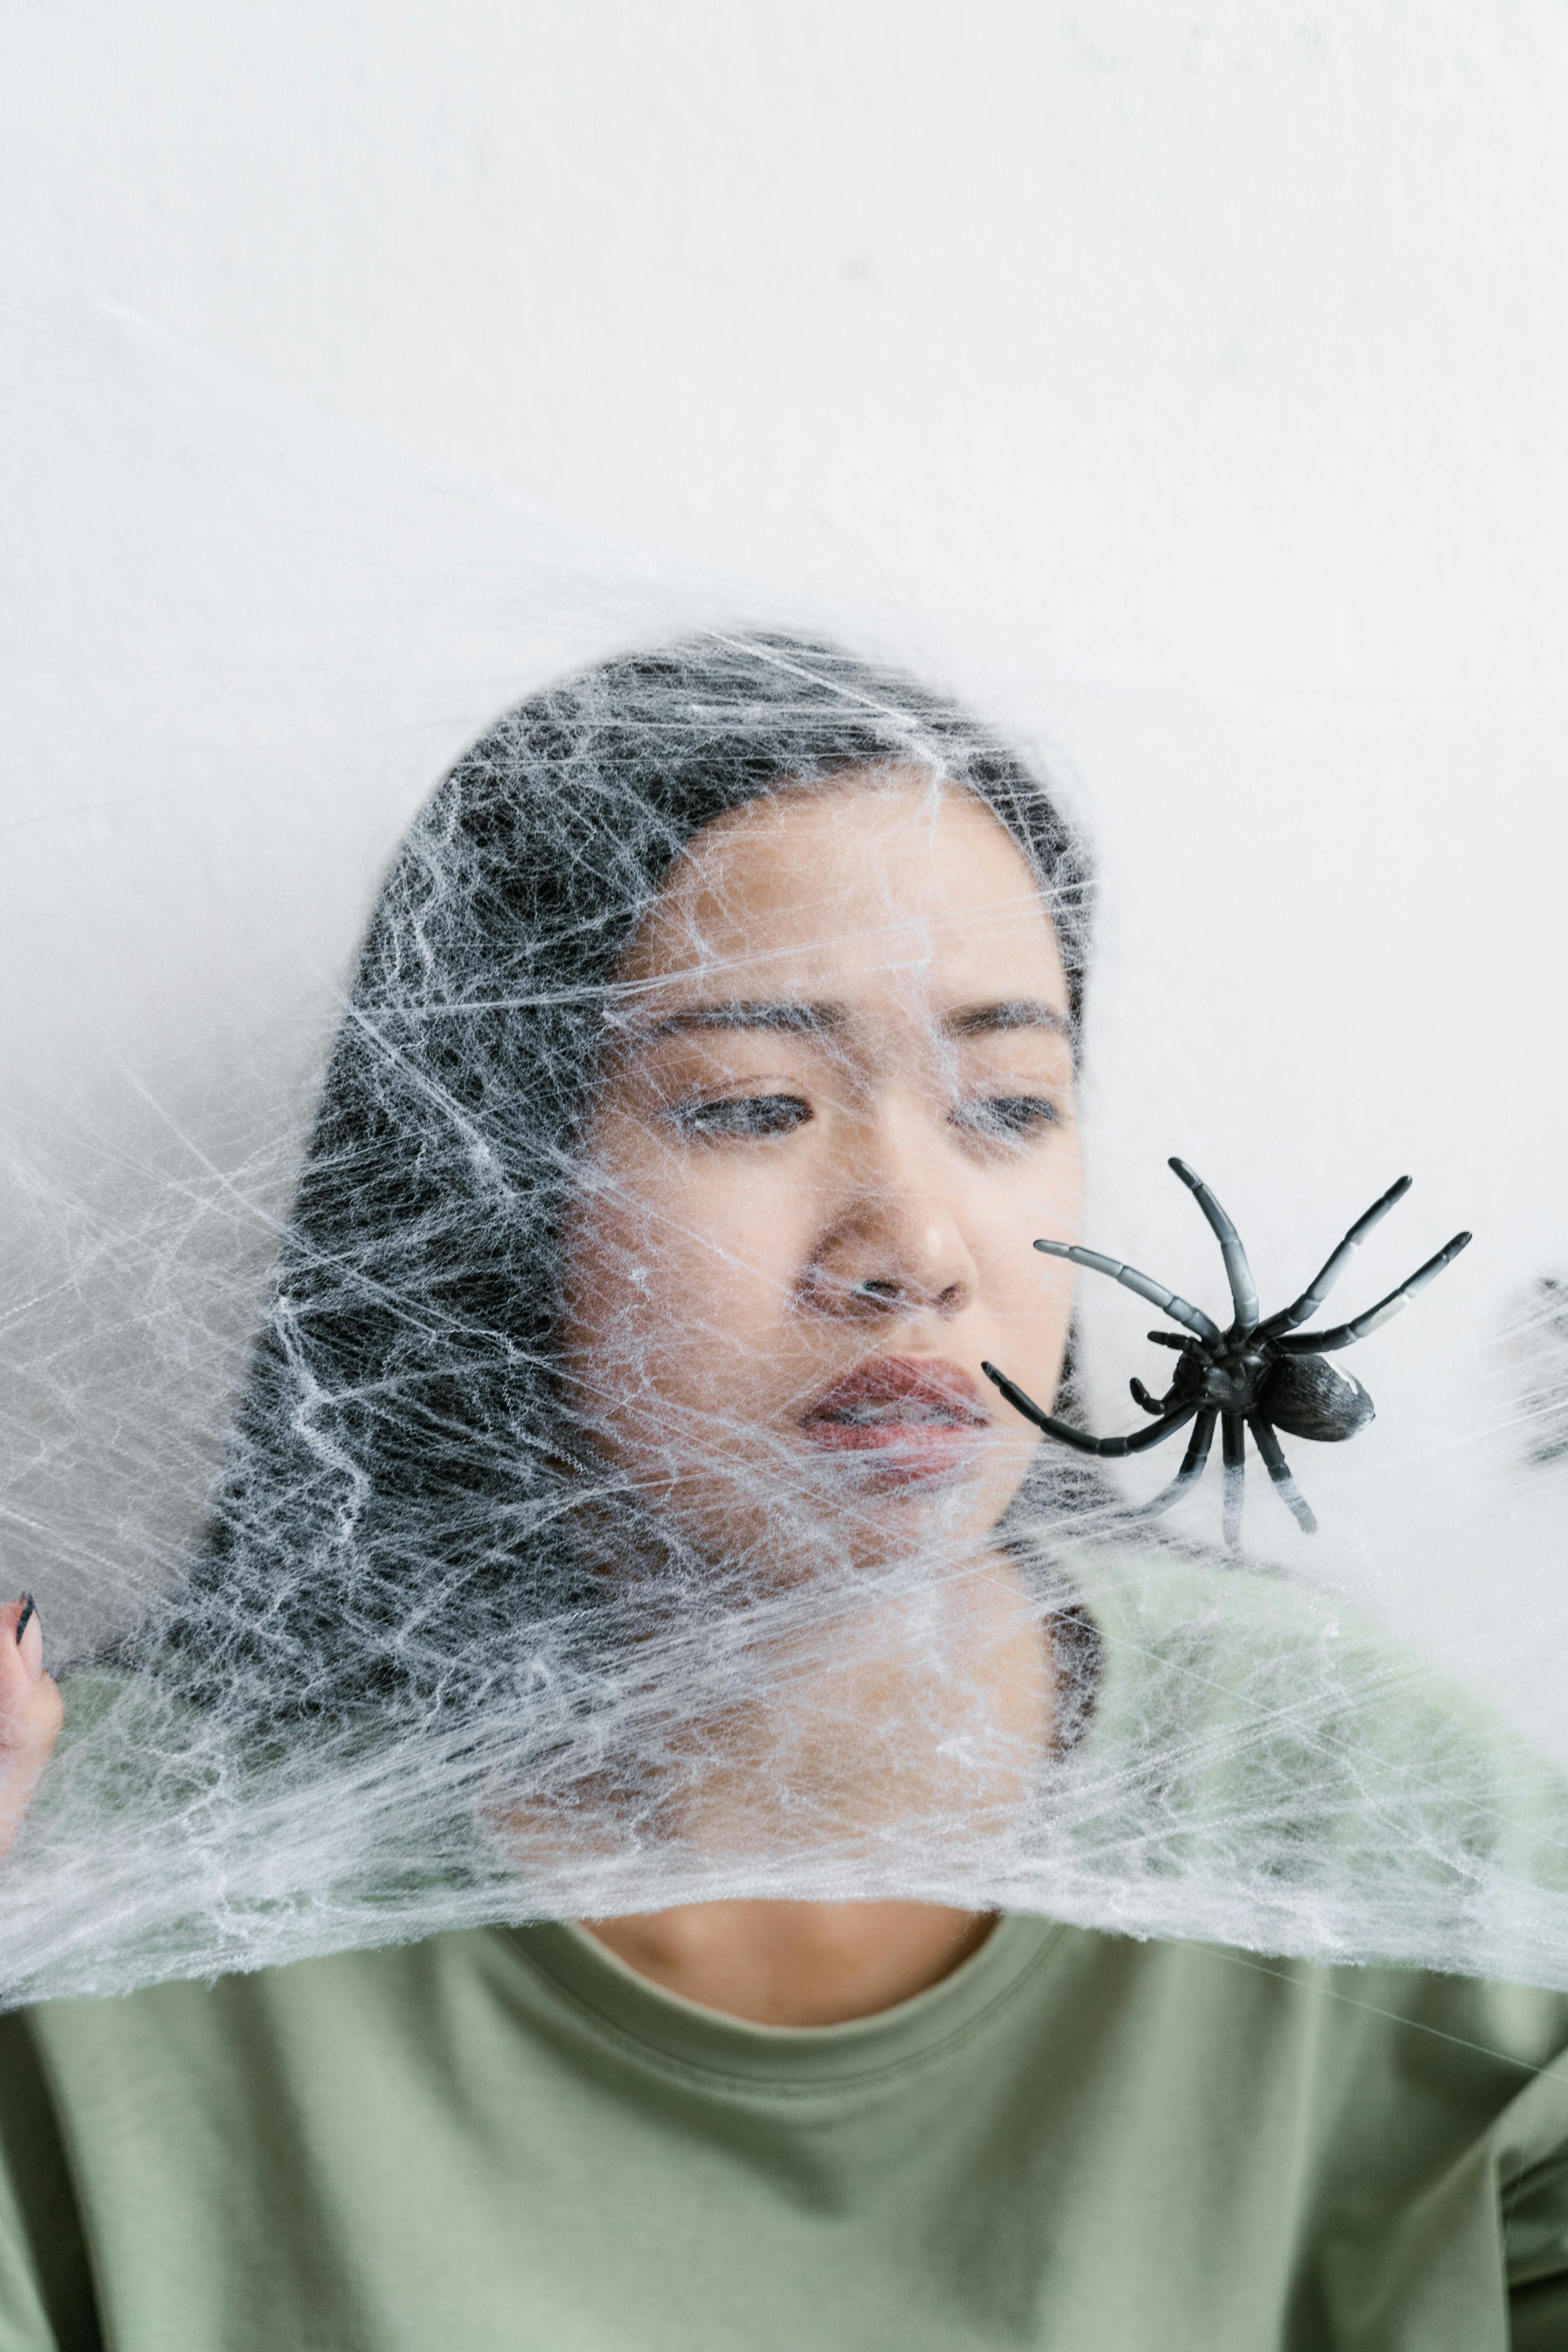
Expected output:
{"points": [[921, 1417]]}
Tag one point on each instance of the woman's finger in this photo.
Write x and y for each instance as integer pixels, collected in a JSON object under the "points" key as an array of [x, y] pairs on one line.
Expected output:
{"points": [[30, 1712]]}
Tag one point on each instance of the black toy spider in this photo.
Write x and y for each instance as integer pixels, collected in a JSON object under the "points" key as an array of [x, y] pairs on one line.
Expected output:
{"points": [[1255, 1376]]}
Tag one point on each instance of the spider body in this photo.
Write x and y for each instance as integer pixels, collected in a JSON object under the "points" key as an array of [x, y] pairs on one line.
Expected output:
{"points": [[1305, 1396], [1260, 1374]]}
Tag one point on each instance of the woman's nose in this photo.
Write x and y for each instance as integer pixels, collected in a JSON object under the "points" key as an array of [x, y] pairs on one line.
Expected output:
{"points": [[894, 1243]]}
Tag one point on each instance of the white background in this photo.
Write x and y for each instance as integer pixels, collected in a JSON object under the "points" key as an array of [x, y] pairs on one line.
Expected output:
{"points": [[1185, 385]]}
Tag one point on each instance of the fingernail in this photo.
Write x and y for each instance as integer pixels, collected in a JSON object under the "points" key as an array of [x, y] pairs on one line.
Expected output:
{"points": [[29, 1609]]}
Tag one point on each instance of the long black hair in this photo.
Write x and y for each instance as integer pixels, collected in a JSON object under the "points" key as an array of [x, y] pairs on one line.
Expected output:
{"points": [[397, 1495]]}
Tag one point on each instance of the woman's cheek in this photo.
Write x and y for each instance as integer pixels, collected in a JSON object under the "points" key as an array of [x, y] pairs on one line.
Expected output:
{"points": [[730, 1293], [1029, 1298], [687, 1275]]}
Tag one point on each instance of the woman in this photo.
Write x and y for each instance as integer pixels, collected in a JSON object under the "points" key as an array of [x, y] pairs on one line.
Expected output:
{"points": [[617, 1492]]}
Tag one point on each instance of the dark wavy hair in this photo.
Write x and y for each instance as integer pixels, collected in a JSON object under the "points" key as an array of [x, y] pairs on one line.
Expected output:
{"points": [[398, 1497]]}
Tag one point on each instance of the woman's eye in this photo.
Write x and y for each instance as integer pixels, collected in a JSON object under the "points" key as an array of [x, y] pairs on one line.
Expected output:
{"points": [[1008, 1117], [742, 1115]]}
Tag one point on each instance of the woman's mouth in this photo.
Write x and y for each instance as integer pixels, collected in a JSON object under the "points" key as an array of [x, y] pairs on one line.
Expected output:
{"points": [[914, 1417]]}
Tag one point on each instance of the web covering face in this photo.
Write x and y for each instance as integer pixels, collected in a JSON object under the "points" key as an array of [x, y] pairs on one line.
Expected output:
{"points": [[440, 1654]]}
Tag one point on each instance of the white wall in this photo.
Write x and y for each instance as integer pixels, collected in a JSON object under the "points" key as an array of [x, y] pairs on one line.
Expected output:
{"points": [[1184, 343], [1188, 386]]}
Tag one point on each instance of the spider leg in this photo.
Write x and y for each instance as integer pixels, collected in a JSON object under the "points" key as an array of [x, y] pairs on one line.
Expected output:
{"points": [[1141, 1396], [1169, 1340], [1279, 1469], [1233, 1434], [1178, 1309], [1345, 1335], [1138, 1443], [1238, 1273], [1301, 1310], [1193, 1465]]}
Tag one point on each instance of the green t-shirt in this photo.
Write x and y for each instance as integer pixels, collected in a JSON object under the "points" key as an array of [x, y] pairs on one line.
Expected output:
{"points": [[501, 2137], [497, 2136]]}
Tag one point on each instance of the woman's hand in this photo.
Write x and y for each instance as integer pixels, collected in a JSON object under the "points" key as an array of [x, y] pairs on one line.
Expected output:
{"points": [[31, 1713]]}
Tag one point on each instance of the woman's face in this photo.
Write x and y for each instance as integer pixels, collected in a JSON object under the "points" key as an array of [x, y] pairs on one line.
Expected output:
{"points": [[837, 1109]]}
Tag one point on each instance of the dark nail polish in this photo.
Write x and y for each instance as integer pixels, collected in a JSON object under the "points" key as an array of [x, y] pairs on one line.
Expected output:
{"points": [[29, 1609]]}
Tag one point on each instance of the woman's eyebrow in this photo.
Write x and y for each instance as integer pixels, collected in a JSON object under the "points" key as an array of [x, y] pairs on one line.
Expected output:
{"points": [[1006, 1013], [803, 1016], [787, 1013]]}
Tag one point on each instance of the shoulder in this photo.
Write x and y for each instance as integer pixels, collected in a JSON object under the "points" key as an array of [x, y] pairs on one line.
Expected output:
{"points": [[1358, 2082], [202, 2026], [263, 2060], [1263, 1767], [1189, 1636]]}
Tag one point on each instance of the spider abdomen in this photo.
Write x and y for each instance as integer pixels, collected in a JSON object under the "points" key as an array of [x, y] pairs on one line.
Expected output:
{"points": [[1309, 1397]]}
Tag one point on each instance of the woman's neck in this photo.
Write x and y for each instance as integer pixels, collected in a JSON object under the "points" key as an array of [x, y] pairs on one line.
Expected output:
{"points": [[796, 1963], [935, 1721]]}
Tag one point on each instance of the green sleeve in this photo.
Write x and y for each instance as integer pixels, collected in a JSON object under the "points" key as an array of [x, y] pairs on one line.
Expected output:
{"points": [[1534, 2206], [1538, 2317], [46, 2300]]}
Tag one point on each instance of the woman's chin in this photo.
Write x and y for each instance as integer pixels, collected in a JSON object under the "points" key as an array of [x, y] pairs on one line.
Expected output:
{"points": [[868, 1523]]}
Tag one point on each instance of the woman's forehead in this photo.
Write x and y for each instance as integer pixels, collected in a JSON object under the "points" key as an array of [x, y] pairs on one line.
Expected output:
{"points": [[891, 882]]}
